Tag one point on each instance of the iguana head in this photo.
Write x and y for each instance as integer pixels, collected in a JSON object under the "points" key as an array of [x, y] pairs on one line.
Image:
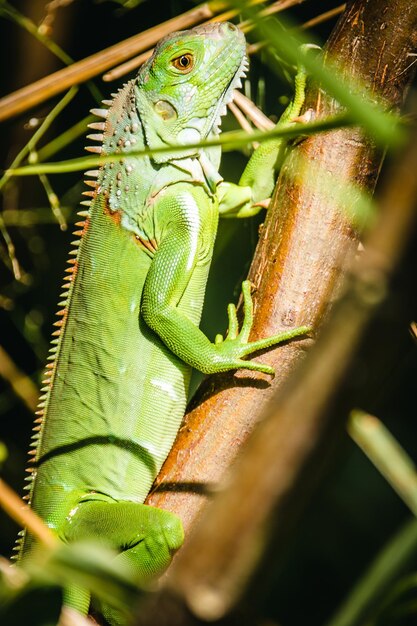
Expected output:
{"points": [[183, 89]]}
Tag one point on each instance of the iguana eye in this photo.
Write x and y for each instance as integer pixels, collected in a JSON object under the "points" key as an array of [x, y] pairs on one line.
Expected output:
{"points": [[184, 63]]}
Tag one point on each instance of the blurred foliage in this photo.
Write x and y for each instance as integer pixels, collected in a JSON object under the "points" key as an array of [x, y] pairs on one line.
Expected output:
{"points": [[355, 512]]}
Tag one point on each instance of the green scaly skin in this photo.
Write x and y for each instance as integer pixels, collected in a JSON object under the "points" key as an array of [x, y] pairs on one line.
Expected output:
{"points": [[128, 335]]}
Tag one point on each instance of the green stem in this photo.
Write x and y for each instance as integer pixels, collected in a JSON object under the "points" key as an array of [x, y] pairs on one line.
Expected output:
{"points": [[29, 148], [229, 141], [8, 11], [53, 201], [395, 465], [63, 140], [390, 562], [31, 144], [386, 454]]}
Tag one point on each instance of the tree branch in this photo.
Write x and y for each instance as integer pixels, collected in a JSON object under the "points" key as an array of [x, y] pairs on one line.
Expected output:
{"points": [[305, 245]]}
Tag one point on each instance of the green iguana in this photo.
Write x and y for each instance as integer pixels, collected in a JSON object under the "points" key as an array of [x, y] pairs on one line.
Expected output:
{"points": [[127, 336]]}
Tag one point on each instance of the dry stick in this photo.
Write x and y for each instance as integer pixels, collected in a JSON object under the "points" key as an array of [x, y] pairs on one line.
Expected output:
{"points": [[249, 108], [241, 119], [297, 270], [31, 95], [323, 17], [125, 68]]}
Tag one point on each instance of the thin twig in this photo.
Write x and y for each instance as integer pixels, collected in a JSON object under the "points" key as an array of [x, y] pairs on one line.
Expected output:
{"points": [[65, 138], [21, 384], [323, 17], [255, 115], [24, 516], [13, 14], [31, 144], [53, 201], [127, 67], [29, 148], [241, 119], [11, 251]]}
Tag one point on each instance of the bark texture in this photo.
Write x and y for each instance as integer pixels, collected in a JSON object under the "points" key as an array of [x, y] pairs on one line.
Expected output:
{"points": [[306, 245], [302, 251]]}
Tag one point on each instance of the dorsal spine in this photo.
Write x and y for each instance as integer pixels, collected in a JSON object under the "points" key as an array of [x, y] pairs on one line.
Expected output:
{"points": [[62, 313]]}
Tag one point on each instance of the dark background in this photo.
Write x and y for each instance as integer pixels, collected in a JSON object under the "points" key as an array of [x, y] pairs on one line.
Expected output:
{"points": [[353, 512]]}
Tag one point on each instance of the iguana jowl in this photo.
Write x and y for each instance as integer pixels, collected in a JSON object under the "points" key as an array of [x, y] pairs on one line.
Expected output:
{"points": [[128, 336]]}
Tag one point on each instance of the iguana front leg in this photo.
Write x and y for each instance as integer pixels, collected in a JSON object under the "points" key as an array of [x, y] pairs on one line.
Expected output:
{"points": [[171, 274], [257, 182]]}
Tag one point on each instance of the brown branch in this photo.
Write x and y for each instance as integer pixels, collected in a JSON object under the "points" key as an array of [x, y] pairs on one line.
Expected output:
{"points": [[295, 424], [298, 261], [297, 270]]}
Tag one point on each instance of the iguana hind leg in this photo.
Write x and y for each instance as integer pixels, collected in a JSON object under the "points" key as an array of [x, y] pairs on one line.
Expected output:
{"points": [[144, 536]]}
